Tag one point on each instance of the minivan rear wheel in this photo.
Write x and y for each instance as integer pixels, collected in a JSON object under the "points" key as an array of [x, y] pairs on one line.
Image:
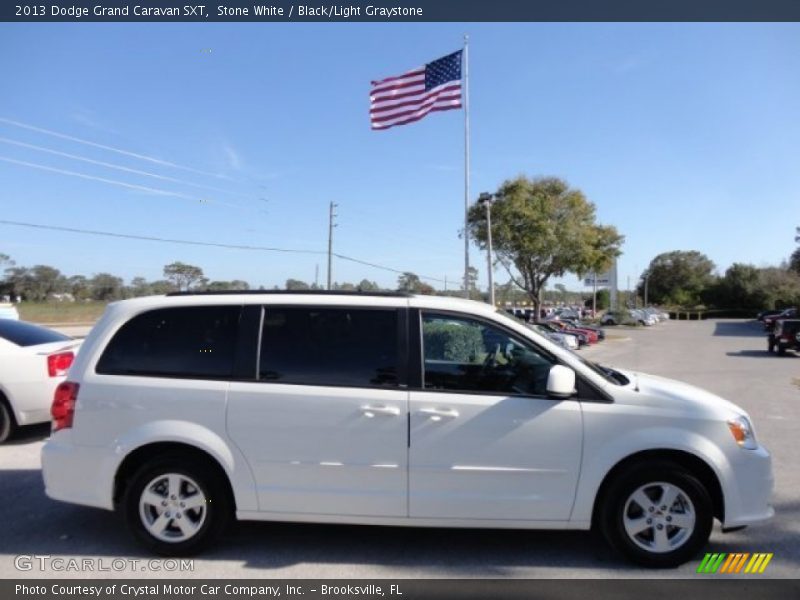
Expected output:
{"points": [[658, 515], [176, 508]]}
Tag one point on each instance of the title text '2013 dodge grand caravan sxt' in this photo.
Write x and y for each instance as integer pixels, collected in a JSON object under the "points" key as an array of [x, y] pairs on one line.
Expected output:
{"points": [[183, 411]]}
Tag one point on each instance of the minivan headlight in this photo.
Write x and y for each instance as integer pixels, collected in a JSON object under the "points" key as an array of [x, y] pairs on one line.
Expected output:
{"points": [[742, 432]]}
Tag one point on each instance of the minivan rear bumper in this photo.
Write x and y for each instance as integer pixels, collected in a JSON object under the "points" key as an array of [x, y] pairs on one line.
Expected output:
{"points": [[74, 473]]}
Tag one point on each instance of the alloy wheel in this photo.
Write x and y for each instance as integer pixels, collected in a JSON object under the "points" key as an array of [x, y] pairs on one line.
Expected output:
{"points": [[173, 507], [659, 517]]}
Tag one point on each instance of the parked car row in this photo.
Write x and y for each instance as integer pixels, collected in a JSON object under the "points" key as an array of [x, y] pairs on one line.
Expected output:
{"points": [[563, 327], [636, 316]]}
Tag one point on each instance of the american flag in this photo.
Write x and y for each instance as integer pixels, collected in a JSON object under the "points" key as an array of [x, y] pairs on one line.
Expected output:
{"points": [[412, 95]]}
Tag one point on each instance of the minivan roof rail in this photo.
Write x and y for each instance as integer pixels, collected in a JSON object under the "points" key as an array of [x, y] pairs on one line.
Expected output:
{"points": [[294, 292]]}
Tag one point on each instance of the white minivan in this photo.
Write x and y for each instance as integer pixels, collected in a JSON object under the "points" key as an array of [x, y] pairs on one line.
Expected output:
{"points": [[184, 411]]}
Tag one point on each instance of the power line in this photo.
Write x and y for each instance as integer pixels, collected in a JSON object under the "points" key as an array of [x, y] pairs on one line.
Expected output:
{"points": [[158, 239], [117, 167], [132, 186], [151, 159], [209, 244], [369, 264]]}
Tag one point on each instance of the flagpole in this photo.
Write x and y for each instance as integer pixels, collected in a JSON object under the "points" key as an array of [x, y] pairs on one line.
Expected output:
{"points": [[466, 166]]}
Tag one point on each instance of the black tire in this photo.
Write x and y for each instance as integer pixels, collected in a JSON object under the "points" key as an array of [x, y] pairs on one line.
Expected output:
{"points": [[781, 350], [213, 518], [8, 425], [687, 542]]}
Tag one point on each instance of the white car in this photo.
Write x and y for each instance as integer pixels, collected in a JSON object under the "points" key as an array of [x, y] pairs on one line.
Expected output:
{"points": [[185, 411], [8, 311], [567, 340], [33, 361]]}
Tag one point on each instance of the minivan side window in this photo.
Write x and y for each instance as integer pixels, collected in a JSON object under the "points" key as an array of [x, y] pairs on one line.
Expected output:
{"points": [[462, 354], [330, 346], [188, 342]]}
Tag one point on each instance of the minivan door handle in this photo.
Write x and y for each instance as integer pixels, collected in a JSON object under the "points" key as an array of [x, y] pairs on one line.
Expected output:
{"points": [[371, 410], [437, 414]]}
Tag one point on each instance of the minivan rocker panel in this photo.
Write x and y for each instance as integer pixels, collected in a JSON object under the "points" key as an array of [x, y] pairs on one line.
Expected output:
{"points": [[389, 410]]}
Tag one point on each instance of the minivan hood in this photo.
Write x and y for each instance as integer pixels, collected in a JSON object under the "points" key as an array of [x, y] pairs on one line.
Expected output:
{"points": [[663, 391]]}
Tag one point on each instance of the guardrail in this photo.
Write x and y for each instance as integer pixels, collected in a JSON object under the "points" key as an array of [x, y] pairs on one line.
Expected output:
{"points": [[695, 314]]}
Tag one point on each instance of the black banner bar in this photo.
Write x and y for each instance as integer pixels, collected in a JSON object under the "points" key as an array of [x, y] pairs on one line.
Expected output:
{"points": [[401, 10], [739, 588]]}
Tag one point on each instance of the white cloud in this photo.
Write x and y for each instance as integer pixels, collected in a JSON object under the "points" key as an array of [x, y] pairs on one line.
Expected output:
{"points": [[234, 161]]}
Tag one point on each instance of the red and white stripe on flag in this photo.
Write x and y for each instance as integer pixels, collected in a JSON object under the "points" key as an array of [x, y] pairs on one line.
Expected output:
{"points": [[409, 97]]}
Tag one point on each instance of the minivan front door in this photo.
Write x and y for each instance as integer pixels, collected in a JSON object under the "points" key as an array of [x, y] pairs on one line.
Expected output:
{"points": [[485, 441], [324, 428]]}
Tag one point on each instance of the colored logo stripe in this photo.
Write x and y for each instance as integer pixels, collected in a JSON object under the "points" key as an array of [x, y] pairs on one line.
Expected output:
{"points": [[758, 563], [735, 562]]}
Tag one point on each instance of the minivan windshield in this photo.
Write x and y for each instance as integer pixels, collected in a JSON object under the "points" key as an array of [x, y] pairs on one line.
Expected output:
{"points": [[607, 373]]}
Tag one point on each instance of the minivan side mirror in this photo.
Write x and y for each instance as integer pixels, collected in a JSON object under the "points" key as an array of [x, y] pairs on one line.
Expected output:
{"points": [[560, 382]]}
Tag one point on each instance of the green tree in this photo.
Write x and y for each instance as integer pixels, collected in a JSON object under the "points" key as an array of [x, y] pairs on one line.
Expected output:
{"points": [[296, 284], [45, 280], [603, 300], [794, 261], [79, 287], [162, 286], [368, 286], [183, 276], [106, 287], [409, 282], [740, 288], [239, 285], [543, 228], [782, 287], [678, 277], [140, 287], [19, 281]]}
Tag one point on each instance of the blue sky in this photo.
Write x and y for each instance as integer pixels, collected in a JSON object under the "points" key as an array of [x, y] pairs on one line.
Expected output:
{"points": [[681, 134]]}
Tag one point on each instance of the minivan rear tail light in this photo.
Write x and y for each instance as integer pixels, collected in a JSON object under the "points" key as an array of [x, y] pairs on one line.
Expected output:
{"points": [[59, 364], [63, 409]]}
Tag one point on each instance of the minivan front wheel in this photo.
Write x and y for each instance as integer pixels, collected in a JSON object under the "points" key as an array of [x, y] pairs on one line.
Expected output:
{"points": [[658, 515], [176, 509]]}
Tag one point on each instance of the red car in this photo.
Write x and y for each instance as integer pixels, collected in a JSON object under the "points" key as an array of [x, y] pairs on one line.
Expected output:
{"points": [[590, 334]]}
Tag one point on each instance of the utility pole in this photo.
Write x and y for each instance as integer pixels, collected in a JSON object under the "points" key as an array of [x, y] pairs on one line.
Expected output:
{"points": [[316, 276], [445, 283], [486, 199], [628, 292], [466, 166], [331, 225]]}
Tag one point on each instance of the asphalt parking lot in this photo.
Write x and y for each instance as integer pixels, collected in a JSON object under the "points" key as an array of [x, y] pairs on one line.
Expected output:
{"points": [[727, 357]]}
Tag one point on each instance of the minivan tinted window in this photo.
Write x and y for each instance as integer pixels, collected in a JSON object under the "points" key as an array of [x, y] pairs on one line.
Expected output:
{"points": [[463, 354], [330, 346], [194, 342]]}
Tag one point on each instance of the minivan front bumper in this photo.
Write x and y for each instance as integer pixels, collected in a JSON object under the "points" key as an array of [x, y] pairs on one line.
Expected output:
{"points": [[747, 497]]}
